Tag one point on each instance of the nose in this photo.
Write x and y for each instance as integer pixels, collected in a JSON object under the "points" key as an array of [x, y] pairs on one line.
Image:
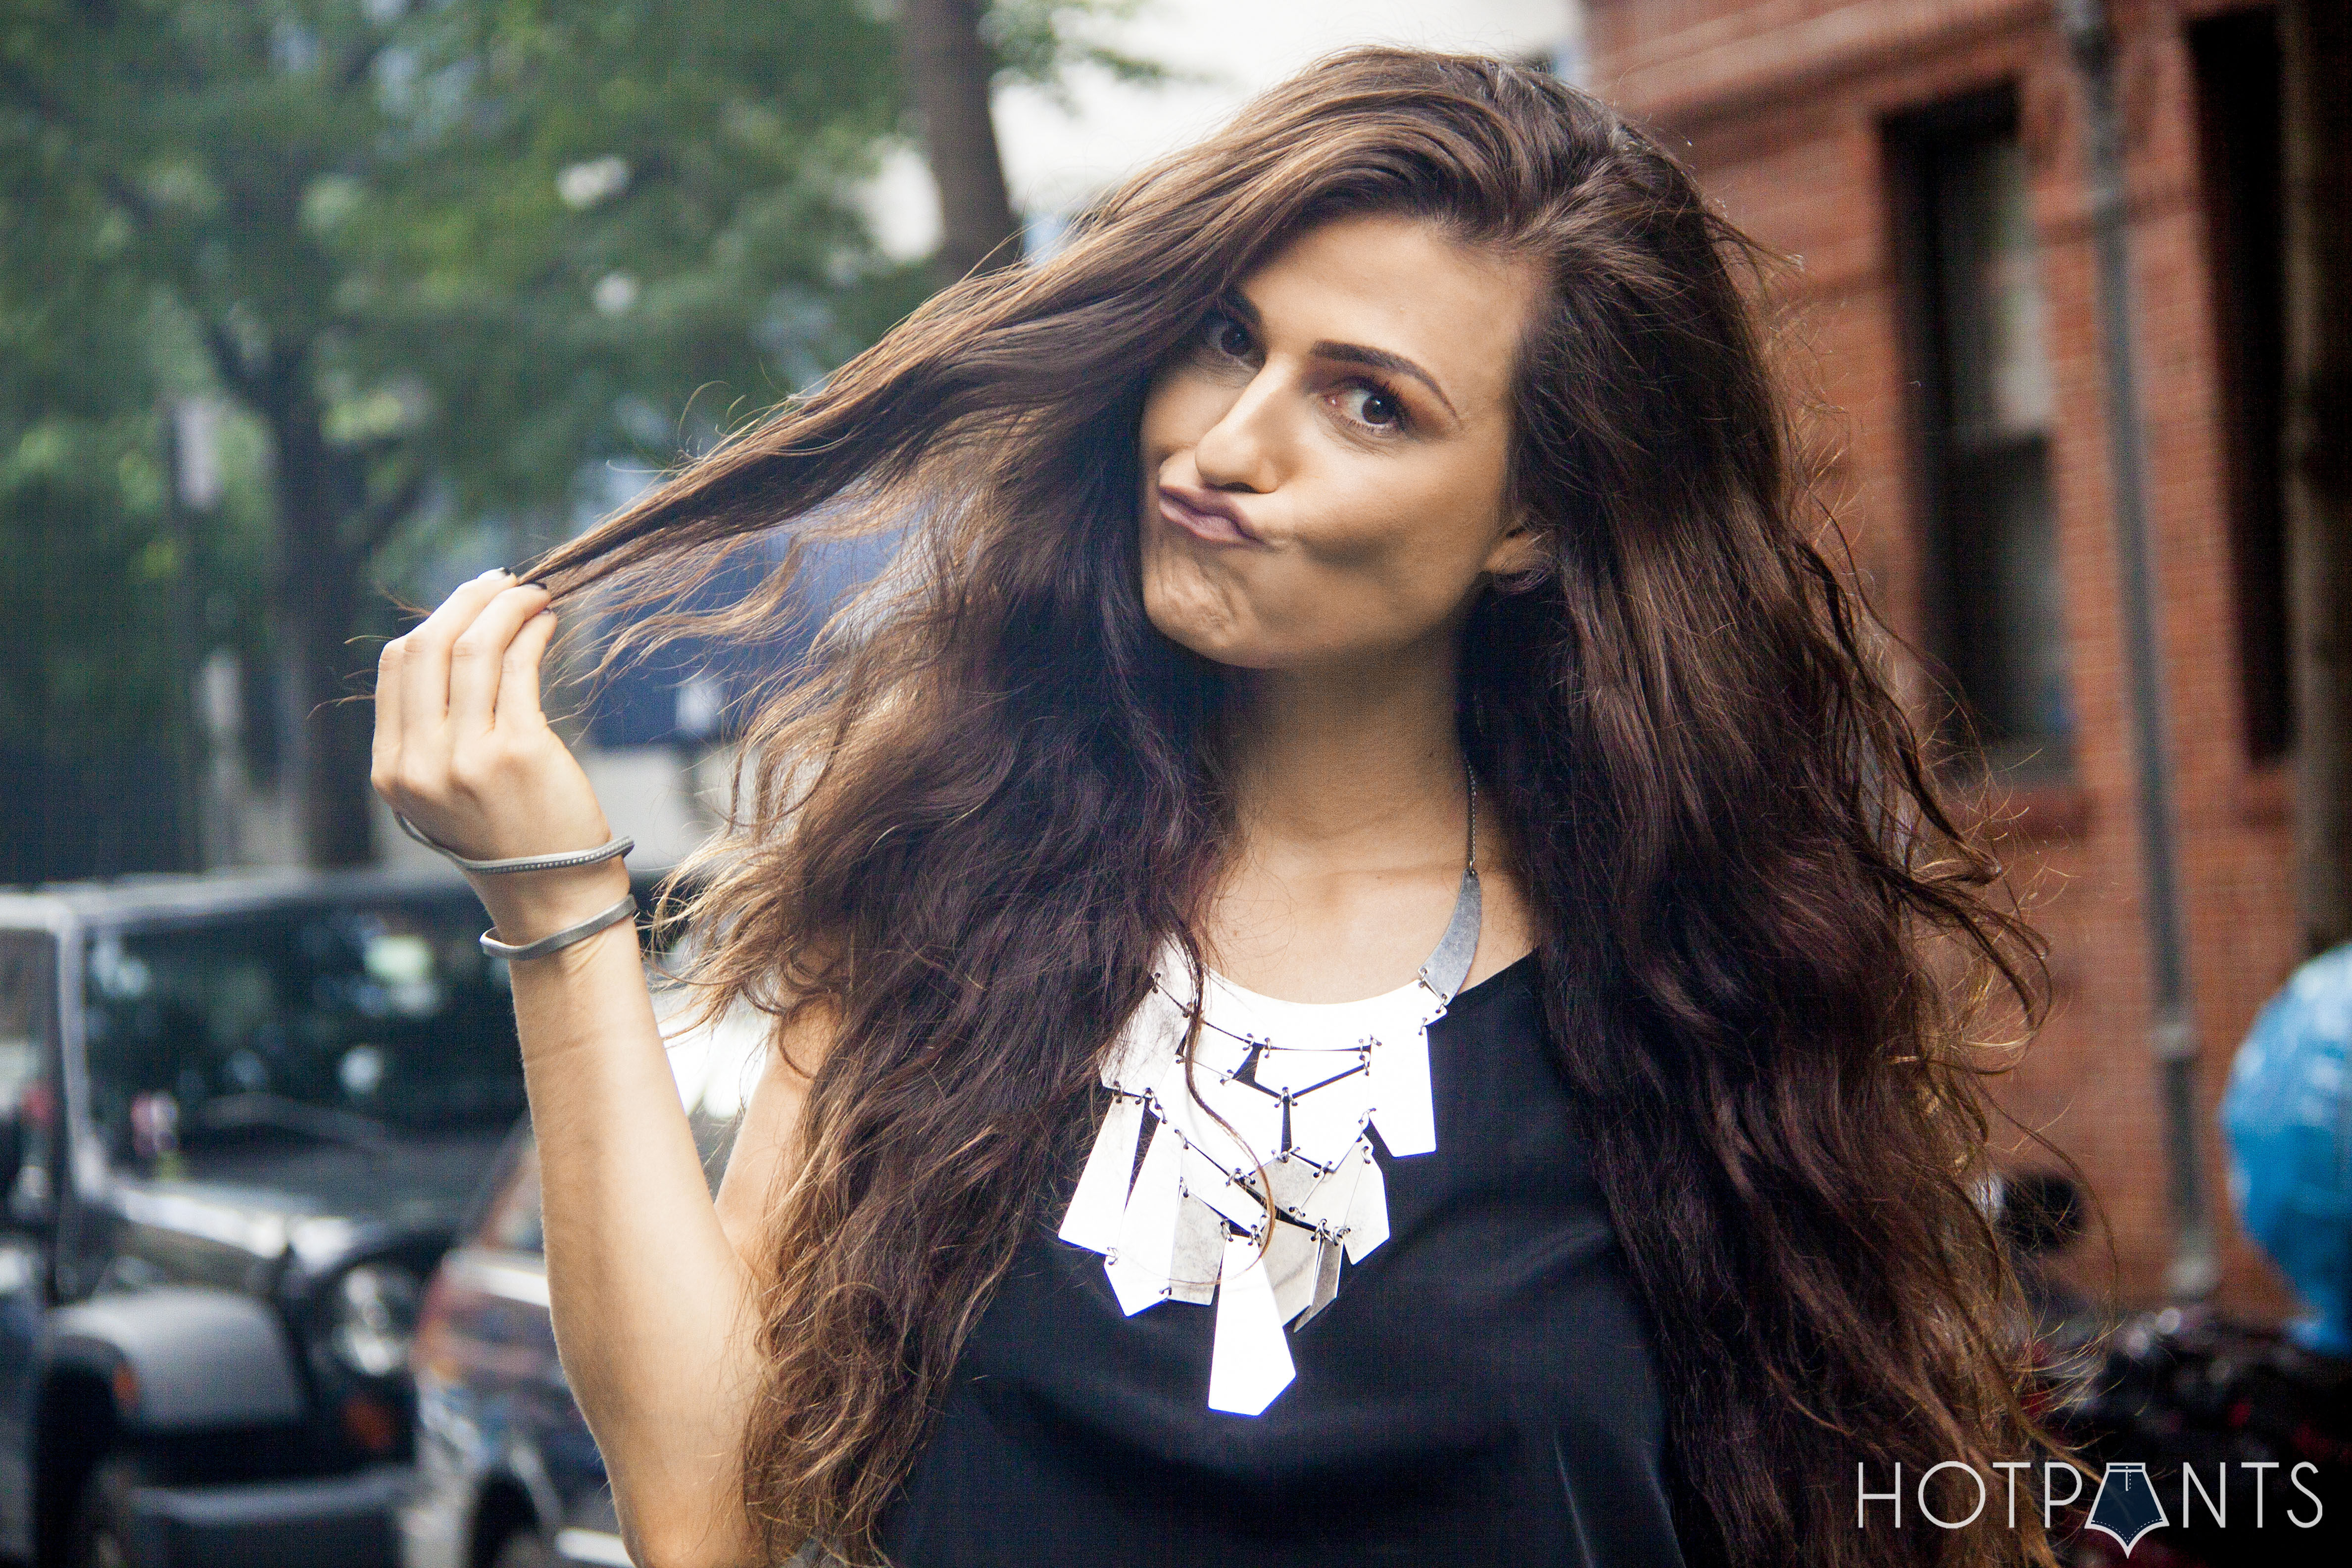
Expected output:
{"points": [[1242, 450]]}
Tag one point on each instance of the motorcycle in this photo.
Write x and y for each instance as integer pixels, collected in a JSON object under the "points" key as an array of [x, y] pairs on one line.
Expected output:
{"points": [[2245, 1435]]}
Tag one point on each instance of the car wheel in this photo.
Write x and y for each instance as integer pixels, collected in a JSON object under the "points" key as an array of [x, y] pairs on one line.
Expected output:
{"points": [[101, 1533], [524, 1549]]}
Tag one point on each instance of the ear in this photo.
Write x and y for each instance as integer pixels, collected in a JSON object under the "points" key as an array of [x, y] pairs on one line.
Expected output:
{"points": [[1518, 556]]}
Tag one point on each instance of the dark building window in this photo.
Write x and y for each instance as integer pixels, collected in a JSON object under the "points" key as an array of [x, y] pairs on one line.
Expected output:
{"points": [[2236, 64], [1970, 276]]}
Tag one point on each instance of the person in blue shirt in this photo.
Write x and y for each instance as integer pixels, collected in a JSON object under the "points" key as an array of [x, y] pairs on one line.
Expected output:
{"points": [[2287, 1120]]}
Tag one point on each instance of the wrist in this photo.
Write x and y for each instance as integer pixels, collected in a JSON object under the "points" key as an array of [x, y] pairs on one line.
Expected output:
{"points": [[524, 907]]}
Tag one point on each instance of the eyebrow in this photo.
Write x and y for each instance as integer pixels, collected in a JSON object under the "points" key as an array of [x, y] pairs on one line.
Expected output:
{"points": [[1349, 353]]}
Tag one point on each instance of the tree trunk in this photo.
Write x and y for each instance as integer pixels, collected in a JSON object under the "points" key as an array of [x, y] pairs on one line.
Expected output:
{"points": [[337, 728], [2315, 39], [318, 599], [947, 68]]}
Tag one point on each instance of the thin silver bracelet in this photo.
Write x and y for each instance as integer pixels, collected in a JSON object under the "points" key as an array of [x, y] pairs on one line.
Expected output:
{"points": [[625, 910], [563, 862]]}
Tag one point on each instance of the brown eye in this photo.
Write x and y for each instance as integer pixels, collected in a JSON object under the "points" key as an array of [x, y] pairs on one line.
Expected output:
{"points": [[1228, 337], [1374, 406]]}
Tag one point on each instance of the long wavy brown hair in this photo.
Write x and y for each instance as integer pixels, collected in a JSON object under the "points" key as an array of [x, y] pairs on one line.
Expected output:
{"points": [[970, 821]]}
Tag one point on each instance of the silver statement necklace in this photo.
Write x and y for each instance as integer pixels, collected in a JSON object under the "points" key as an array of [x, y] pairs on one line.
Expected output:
{"points": [[1260, 1174]]}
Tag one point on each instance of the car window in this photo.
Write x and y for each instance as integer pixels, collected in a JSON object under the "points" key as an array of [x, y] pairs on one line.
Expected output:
{"points": [[336, 1021], [28, 1101]]}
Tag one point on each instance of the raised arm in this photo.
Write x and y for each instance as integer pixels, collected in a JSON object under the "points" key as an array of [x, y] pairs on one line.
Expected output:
{"points": [[652, 1296]]}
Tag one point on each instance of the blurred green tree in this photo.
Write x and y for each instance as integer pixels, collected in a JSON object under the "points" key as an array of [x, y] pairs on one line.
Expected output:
{"points": [[441, 258]]}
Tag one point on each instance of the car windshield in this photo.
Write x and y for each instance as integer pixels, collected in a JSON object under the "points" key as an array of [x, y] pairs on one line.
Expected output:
{"points": [[341, 1022]]}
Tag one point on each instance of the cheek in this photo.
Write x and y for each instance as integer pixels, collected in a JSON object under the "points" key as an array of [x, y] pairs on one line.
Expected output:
{"points": [[1414, 536], [1407, 560], [1182, 407]]}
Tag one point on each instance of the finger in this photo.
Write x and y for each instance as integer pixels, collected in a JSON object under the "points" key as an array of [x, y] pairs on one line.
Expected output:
{"points": [[518, 708], [476, 656], [383, 751], [425, 668]]}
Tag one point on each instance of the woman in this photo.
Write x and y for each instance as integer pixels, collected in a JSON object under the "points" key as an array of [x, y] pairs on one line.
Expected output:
{"points": [[1364, 569]]}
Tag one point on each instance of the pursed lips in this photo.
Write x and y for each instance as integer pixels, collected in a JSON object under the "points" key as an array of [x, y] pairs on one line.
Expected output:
{"points": [[1205, 515]]}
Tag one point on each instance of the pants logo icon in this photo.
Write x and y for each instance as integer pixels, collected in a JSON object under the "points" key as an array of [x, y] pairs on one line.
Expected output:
{"points": [[2127, 1507]]}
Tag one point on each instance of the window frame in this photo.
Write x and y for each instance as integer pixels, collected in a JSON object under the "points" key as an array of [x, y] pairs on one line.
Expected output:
{"points": [[1912, 143]]}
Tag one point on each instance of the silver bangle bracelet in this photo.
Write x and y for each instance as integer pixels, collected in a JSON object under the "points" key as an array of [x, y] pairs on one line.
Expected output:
{"points": [[563, 862], [626, 909]]}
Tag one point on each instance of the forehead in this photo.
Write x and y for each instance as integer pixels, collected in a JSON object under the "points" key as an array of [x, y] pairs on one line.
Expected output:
{"points": [[1402, 284]]}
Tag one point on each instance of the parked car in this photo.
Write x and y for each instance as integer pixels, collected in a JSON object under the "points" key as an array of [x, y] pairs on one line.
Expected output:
{"points": [[506, 1474], [240, 1120]]}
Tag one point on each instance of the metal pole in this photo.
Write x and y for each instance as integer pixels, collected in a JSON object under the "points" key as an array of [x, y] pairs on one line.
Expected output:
{"points": [[2194, 1268]]}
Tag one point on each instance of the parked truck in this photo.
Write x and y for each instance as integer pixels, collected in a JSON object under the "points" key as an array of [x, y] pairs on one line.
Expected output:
{"points": [[240, 1120]]}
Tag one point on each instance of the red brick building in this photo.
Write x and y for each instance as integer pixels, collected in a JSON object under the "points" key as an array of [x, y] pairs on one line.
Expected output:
{"points": [[1925, 159]]}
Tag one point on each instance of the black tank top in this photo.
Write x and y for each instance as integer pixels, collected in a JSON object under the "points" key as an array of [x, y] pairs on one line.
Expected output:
{"points": [[1481, 1392]]}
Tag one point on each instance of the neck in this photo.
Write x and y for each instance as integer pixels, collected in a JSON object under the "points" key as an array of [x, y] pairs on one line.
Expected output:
{"points": [[1355, 765]]}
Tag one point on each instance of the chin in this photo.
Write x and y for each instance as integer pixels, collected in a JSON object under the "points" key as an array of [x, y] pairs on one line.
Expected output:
{"points": [[1202, 627], [1208, 642]]}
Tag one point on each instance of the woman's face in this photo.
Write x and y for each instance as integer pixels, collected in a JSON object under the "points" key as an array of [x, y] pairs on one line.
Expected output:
{"points": [[1325, 463]]}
